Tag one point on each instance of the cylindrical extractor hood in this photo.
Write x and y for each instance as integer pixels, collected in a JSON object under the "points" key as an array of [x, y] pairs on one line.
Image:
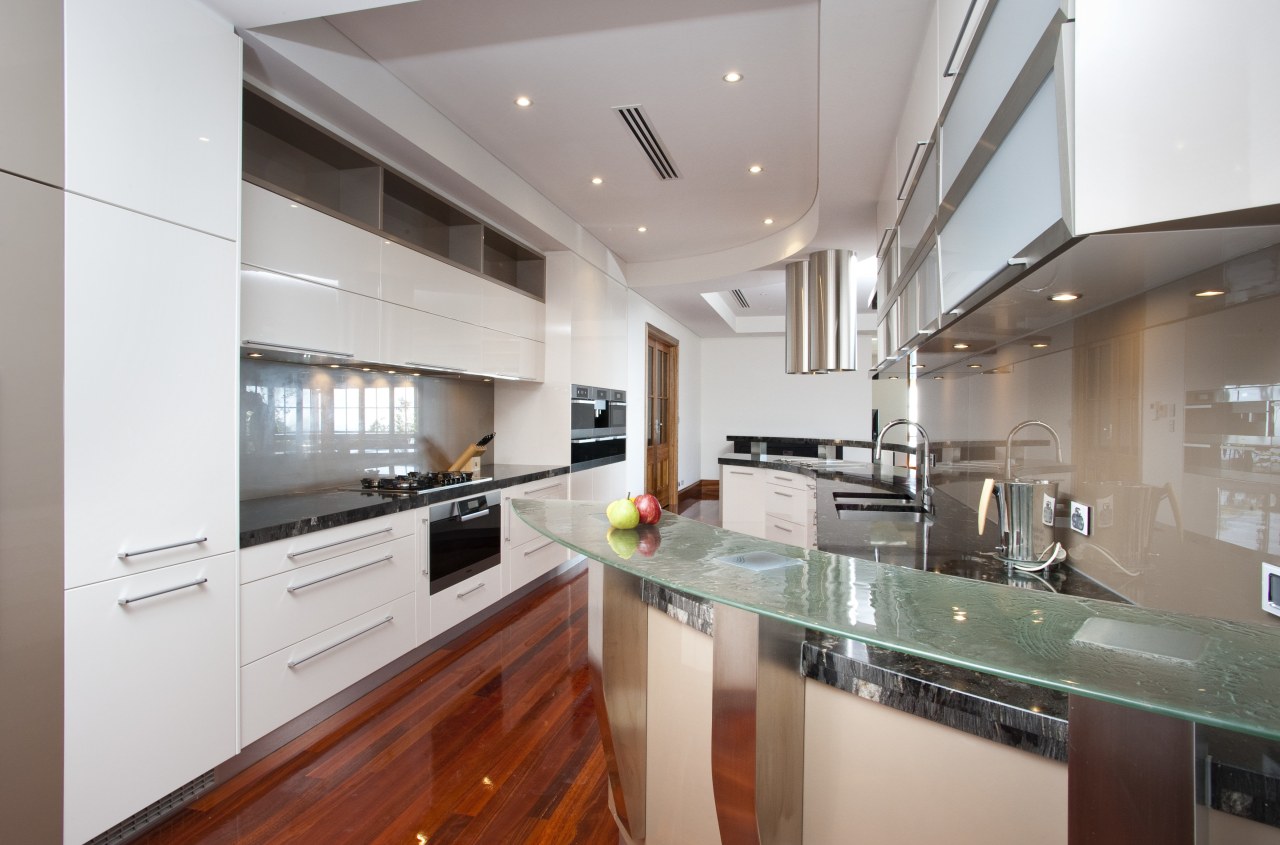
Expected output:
{"points": [[833, 328], [798, 317]]}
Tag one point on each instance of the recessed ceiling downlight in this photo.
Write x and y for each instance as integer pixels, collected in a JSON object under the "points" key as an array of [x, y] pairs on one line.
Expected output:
{"points": [[596, 180], [643, 229], [1209, 292], [755, 168], [523, 102], [768, 221], [1065, 296], [732, 76], [960, 346]]}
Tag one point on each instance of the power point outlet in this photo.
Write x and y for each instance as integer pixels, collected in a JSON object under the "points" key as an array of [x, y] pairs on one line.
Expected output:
{"points": [[1081, 518]]}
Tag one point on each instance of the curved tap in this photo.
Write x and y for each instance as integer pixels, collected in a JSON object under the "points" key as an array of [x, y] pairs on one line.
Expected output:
{"points": [[1008, 443], [926, 491]]}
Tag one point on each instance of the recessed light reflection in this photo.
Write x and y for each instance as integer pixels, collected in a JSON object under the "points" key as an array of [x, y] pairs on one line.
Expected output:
{"points": [[937, 378], [1209, 292], [732, 76], [960, 346], [333, 366], [255, 354], [975, 366], [1040, 345], [1064, 297], [893, 378]]}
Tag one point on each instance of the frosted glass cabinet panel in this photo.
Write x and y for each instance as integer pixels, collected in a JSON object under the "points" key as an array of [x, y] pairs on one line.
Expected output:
{"points": [[1017, 197], [1013, 30]]}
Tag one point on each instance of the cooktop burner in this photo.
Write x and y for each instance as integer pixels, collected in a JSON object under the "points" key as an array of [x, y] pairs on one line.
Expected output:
{"points": [[413, 482]]}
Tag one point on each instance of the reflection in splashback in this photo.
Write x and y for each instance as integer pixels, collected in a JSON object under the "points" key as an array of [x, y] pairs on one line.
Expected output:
{"points": [[312, 428], [1179, 463]]}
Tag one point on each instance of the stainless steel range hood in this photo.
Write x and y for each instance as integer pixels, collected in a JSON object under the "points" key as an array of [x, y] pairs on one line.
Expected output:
{"points": [[821, 322]]}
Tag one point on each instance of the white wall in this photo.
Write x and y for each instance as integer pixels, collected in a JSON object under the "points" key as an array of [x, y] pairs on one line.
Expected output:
{"points": [[746, 391], [642, 312]]}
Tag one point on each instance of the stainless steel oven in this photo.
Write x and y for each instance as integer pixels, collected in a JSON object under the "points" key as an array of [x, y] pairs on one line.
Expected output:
{"points": [[465, 538], [597, 422]]}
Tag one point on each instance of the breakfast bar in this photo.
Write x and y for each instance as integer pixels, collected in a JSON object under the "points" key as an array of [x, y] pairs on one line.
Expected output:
{"points": [[1140, 683]]}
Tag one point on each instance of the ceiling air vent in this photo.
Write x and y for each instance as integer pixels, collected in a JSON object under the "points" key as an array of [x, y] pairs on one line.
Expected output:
{"points": [[636, 120], [740, 298]]}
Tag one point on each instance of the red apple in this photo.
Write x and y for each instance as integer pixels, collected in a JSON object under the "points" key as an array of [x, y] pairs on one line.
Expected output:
{"points": [[649, 507]]}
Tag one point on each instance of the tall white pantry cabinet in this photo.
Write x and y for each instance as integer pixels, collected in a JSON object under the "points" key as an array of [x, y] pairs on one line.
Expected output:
{"points": [[152, 161]]}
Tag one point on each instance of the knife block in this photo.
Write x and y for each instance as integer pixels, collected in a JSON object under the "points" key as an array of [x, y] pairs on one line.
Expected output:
{"points": [[469, 460]]}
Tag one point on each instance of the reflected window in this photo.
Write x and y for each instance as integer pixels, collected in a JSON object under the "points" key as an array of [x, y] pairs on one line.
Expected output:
{"points": [[346, 409]]}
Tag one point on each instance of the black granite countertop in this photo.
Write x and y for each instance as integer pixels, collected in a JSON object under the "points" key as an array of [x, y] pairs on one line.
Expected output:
{"points": [[278, 517], [893, 479]]}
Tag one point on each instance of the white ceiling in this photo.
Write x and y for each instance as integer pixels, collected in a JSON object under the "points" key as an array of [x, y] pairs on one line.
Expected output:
{"points": [[821, 95]]}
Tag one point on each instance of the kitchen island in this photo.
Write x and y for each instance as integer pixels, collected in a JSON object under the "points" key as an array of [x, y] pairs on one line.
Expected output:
{"points": [[1136, 679]]}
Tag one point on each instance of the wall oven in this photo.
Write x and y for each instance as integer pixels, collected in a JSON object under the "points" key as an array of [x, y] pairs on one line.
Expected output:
{"points": [[465, 538], [598, 423]]}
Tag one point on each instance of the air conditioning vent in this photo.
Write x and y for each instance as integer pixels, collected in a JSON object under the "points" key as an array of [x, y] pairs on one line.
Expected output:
{"points": [[642, 128], [740, 298]]}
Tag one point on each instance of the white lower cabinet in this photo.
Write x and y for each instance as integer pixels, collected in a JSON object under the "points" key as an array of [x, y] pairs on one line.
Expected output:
{"points": [[531, 560], [785, 531], [742, 500], [526, 554], [289, 682], [295, 552], [150, 700], [456, 604]]}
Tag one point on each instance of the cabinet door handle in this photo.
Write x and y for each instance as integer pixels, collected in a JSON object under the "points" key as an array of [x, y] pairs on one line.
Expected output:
{"points": [[529, 493], [950, 69], [435, 367], [299, 349], [540, 548], [466, 593], [125, 601], [293, 664], [783, 495], [739, 472], [126, 555], [911, 166], [293, 588], [782, 528], [475, 515], [292, 555]]}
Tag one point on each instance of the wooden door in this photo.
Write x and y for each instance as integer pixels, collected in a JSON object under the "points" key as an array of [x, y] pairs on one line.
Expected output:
{"points": [[661, 416]]}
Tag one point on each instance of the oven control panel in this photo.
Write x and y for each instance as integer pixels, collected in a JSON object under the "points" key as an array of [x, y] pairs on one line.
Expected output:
{"points": [[1271, 588]]}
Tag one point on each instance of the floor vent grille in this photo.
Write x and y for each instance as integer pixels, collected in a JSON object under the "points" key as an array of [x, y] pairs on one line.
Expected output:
{"points": [[148, 816], [642, 128]]}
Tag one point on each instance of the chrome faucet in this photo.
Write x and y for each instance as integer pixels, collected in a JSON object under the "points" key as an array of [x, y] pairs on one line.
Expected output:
{"points": [[926, 492], [1008, 443]]}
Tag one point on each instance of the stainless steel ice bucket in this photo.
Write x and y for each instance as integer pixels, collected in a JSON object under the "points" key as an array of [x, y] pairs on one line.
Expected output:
{"points": [[1024, 513]]}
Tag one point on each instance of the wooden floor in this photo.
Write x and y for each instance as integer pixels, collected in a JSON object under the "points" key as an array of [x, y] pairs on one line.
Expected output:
{"points": [[489, 740]]}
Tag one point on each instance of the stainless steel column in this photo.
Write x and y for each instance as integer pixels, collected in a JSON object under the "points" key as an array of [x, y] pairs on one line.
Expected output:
{"points": [[618, 654], [757, 729]]}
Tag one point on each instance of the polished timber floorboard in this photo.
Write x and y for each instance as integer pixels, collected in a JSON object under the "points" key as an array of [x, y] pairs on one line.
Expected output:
{"points": [[491, 739]]}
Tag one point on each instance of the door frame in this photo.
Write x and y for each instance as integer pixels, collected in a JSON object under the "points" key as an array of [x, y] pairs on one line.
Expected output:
{"points": [[671, 498]]}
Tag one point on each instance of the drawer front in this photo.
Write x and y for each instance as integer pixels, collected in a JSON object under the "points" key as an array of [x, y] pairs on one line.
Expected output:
{"points": [[278, 611], [459, 602], [788, 503], [272, 692], [785, 531], [517, 530], [789, 479], [530, 560], [288, 555]]}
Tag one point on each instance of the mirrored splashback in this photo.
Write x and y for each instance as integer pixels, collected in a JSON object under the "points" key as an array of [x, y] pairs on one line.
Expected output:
{"points": [[311, 428], [1168, 410]]}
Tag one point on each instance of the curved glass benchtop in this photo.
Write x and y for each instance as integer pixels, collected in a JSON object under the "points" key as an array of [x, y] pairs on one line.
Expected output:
{"points": [[1210, 671]]}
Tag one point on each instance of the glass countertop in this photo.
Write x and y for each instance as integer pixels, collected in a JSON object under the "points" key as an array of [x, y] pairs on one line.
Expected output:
{"points": [[1210, 671]]}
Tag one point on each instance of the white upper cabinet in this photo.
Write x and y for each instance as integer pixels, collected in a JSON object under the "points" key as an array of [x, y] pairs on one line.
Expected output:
{"points": [[286, 313], [151, 373], [1177, 109], [417, 339], [599, 343], [153, 109], [419, 281], [290, 238], [31, 90], [919, 114], [514, 313]]}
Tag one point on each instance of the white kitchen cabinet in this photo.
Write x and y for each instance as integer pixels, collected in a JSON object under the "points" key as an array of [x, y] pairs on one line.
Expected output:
{"points": [[789, 509], [278, 611], [782, 530], [428, 284], [291, 554], [514, 313], [957, 21], [150, 698], [151, 309], [919, 113], [600, 484], [291, 681], [510, 356], [279, 312], [31, 91], [291, 238], [742, 499], [415, 338], [152, 105], [454, 605], [526, 554], [599, 337]]}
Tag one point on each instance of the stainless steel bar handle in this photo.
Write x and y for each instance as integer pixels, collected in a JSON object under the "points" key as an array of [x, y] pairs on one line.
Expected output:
{"points": [[782, 528], [540, 489], [137, 552], [436, 367], [293, 588], [124, 601], [911, 166], [466, 593], [950, 69], [475, 515], [739, 472], [539, 548], [293, 664], [783, 495], [292, 555], [300, 348]]}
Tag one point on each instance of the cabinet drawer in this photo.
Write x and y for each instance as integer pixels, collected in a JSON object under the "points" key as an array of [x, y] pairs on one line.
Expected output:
{"points": [[295, 552], [280, 610], [530, 560], [517, 531], [150, 688], [455, 604], [792, 480], [272, 691], [785, 531], [788, 503]]}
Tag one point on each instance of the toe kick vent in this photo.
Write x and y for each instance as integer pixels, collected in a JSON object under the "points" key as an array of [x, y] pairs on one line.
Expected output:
{"points": [[642, 128], [147, 817]]}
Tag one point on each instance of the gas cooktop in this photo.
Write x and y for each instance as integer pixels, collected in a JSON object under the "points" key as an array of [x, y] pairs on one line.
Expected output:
{"points": [[413, 482]]}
